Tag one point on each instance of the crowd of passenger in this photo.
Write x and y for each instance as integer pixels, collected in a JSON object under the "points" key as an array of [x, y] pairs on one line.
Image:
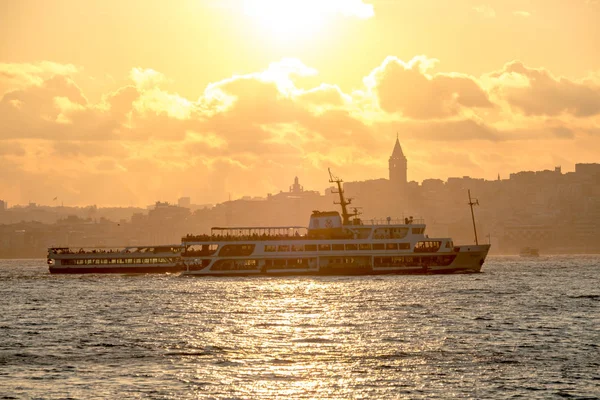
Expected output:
{"points": [[297, 236], [254, 236], [102, 251], [82, 251]]}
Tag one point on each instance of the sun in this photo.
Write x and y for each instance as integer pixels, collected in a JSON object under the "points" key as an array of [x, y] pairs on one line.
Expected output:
{"points": [[287, 20]]}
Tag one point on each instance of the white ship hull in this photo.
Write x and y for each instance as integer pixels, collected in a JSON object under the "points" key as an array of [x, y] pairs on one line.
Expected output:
{"points": [[462, 259]]}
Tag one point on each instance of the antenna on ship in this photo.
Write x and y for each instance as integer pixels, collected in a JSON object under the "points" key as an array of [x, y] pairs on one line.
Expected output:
{"points": [[473, 202], [343, 202]]}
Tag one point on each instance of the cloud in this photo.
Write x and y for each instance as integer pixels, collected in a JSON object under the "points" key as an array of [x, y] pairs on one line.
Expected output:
{"points": [[18, 75], [523, 14], [407, 88], [149, 143], [535, 91], [146, 78], [485, 11], [323, 95]]}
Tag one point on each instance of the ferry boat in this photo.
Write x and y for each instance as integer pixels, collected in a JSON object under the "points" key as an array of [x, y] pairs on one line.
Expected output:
{"points": [[333, 244], [126, 260]]}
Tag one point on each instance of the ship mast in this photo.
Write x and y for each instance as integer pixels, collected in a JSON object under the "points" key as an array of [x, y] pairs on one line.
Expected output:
{"points": [[343, 202], [473, 202]]}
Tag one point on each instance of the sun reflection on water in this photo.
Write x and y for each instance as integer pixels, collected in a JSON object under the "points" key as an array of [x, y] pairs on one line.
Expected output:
{"points": [[287, 336]]}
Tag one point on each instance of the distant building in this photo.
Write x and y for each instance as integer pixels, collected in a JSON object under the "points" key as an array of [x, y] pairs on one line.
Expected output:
{"points": [[295, 191], [588, 170], [398, 166], [184, 202], [3, 205], [296, 187], [432, 184], [383, 188]]}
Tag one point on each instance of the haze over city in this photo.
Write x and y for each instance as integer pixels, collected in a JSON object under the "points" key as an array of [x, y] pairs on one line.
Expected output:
{"points": [[124, 103]]}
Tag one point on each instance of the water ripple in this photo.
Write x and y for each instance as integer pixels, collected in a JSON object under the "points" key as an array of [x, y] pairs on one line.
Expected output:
{"points": [[523, 328]]}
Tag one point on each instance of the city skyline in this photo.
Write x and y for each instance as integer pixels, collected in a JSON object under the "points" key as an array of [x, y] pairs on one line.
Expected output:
{"points": [[124, 104]]}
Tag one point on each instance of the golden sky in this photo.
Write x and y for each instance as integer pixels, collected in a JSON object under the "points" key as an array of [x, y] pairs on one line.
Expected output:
{"points": [[128, 102]]}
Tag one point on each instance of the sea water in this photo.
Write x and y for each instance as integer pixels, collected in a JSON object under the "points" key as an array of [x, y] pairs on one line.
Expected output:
{"points": [[525, 327]]}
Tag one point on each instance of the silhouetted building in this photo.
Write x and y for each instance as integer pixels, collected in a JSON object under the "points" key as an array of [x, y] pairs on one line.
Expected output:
{"points": [[296, 187], [295, 191], [588, 170], [3, 205], [184, 202], [398, 166]]}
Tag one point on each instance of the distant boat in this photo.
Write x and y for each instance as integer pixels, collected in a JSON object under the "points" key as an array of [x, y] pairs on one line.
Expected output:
{"points": [[124, 260], [529, 252]]}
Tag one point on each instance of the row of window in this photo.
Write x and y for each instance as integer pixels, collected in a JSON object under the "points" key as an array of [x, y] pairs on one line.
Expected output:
{"points": [[337, 247], [394, 233], [116, 261], [303, 263], [236, 250], [279, 263], [234, 265], [419, 261]]}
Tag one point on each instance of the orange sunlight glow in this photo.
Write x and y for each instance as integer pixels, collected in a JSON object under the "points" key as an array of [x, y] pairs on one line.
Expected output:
{"points": [[295, 20]]}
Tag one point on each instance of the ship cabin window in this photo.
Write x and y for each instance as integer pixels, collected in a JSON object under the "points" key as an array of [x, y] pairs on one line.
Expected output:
{"points": [[283, 247], [297, 247], [287, 263], [381, 233], [324, 247], [200, 250], [236, 250], [348, 260], [398, 233], [310, 247], [418, 231], [378, 246], [428, 246], [250, 263], [364, 246], [351, 246], [391, 246], [449, 244], [270, 248], [337, 246], [404, 246], [362, 233]]}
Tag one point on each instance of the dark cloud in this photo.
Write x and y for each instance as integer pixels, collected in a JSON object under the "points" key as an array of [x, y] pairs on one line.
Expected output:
{"points": [[547, 95], [405, 88]]}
